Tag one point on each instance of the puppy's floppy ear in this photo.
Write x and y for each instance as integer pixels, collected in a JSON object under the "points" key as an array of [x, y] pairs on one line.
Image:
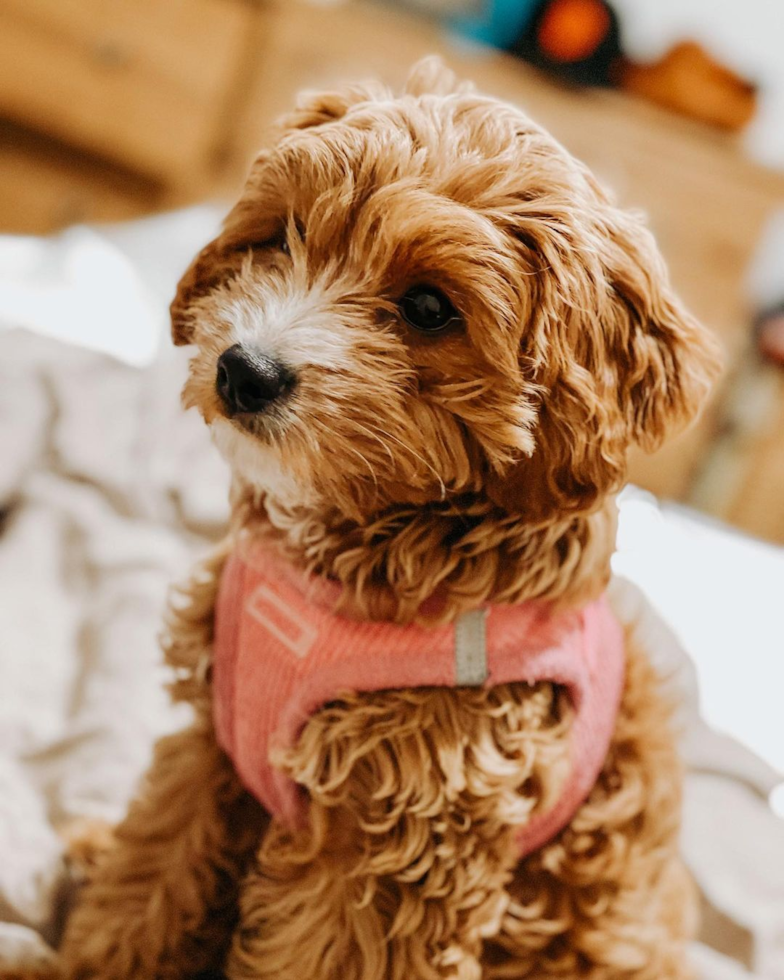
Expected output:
{"points": [[202, 274], [616, 356], [430, 76], [664, 360]]}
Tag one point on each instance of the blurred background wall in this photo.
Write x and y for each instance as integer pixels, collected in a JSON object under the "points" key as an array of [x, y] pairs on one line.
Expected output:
{"points": [[113, 109]]}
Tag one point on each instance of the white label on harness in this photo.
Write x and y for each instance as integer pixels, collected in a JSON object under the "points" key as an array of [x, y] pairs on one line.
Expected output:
{"points": [[284, 623]]}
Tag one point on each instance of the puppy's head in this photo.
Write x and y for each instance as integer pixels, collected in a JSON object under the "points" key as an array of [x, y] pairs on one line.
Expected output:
{"points": [[424, 296]]}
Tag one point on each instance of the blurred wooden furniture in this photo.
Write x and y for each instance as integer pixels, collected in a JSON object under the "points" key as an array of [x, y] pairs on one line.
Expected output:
{"points": [[114, 108], [184, 115], [143, 83]]}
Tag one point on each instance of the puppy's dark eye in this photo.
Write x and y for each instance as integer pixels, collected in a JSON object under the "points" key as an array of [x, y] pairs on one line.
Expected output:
{"points": [[425, 308], [275, 243]]}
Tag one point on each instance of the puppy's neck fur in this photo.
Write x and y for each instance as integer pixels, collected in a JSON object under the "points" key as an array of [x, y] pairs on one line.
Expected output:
{"points": [[431, 563]]}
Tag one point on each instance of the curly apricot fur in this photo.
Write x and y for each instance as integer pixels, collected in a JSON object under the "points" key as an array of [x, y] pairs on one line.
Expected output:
{"points": [[427, 476]]}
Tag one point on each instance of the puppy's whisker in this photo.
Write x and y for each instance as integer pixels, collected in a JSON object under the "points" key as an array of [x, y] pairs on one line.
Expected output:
{"points": [[375, 436], [367, 463], [421, 459]]}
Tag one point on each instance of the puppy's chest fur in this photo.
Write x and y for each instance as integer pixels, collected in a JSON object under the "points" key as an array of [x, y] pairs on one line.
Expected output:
{"points": [[452, 758], [418, 794]]}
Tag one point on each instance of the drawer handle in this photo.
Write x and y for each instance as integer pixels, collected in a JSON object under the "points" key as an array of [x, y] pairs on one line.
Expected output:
{"points": [[111, 53]]}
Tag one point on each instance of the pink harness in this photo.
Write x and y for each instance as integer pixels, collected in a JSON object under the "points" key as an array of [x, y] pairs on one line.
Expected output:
{"points": [[281, 653]]}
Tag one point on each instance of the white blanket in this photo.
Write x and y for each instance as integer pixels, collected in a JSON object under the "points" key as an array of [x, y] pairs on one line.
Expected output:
{"points": [[108, 492]]}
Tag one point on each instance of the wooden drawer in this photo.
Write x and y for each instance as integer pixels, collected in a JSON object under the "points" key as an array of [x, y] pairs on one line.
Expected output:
{"points": [[141, 82]]}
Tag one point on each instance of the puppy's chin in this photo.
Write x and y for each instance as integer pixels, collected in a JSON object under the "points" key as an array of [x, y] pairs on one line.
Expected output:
{"points": [[253, 461]]}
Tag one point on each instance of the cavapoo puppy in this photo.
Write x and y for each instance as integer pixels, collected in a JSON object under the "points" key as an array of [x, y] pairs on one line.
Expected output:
{"points": [[423, 747]]}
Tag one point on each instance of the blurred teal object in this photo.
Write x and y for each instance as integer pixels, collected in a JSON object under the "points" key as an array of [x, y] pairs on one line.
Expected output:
{"points": [[500, 23]]}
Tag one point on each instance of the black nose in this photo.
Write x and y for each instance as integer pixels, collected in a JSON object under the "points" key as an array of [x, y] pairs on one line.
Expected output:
{"points": [[249, 381]]}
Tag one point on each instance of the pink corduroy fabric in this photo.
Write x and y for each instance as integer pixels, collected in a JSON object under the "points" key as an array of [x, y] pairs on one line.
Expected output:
{"points": [[281, 653]]}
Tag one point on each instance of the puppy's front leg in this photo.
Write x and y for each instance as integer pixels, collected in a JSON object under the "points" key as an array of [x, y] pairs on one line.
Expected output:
{"points": [[610, 899], [162, 903], [401, 871], [331, 918]]}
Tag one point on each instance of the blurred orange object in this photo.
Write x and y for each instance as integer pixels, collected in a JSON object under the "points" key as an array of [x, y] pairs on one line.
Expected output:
{"points": [[689, 81], [770, 334], [571, 30]]}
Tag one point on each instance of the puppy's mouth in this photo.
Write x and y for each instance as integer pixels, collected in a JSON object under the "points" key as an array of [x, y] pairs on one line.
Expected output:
{"points": [[253, 387]]}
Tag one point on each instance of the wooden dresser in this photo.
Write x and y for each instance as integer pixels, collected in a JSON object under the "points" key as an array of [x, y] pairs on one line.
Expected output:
{"points": [[143, 83]]}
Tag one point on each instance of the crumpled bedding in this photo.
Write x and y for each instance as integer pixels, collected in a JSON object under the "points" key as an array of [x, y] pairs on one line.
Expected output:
{"points": [[108, 492]]}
